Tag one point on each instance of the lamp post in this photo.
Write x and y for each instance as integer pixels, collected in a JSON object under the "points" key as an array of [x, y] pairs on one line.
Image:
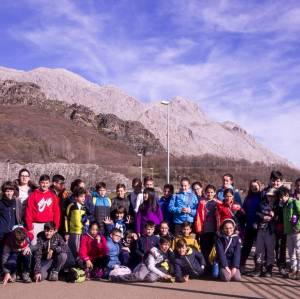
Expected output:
{"points": [[167, 103], [141, 155], [151, 168], [8, 170]]}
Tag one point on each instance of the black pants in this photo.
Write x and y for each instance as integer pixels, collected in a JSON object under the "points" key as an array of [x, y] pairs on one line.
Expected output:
{"points": [[249, 238], [280, 250], [207, 241]]}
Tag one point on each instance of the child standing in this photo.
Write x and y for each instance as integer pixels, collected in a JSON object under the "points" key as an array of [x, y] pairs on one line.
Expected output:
{"points": [[206, 222], [42, 207], [93, 251], [76, 220], [101, 205], [149, 210], [165, 201], [121, 201], [189, 263], [228, 183], [17, 255], [228, 247]]}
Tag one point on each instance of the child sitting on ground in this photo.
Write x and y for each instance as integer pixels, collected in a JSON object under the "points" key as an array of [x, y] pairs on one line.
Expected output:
{"points": [[16, 255], [113, 245], [188, 236], [228, 248], [189, 263], [93, 252], [146, 241], [127, 256], [51, 254], [158, 265]]}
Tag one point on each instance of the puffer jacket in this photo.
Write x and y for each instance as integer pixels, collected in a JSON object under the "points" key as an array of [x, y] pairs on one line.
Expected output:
{"points": [[113, 253], [183, 200], [191, 264]]}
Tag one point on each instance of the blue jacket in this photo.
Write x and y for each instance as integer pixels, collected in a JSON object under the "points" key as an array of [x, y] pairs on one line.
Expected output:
{"points": [[236, 194], [191, 264], [251, 206], [183, 200], [7, 216], [232, 257], [113, 253], [164, 206]]}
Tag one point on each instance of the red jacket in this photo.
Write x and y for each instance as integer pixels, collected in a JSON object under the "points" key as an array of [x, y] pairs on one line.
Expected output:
{"points": [[42, 207], [201, 215], [90, 249], [226, 212]]}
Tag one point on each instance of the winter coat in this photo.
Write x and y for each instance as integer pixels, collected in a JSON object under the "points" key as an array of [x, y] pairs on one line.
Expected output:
{"points": [[144, 244], [190, 240], [250, 206], [76, 220], [113, 253], [228, 251], [164, 205], [183, 200], [191, 264], [56, 243], [227, 212], [149, 215], [7, 215], [42, 207], [121, 202], [265, 209], [91, 249]]}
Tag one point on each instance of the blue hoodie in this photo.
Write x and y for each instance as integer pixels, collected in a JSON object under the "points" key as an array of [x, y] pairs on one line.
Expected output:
{"points": [[182, 200]]}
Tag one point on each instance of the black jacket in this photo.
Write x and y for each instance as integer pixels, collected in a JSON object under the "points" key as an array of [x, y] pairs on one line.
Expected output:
{"points": [[7, 216], [191, 264]]}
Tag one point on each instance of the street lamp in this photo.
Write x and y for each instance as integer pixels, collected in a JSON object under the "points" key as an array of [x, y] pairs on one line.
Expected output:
{"points": [[166, 103], [141, 155], [151, 168]]}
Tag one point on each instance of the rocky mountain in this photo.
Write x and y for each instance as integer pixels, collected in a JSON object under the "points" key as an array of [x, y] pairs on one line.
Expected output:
{"points": [[192, 132]]}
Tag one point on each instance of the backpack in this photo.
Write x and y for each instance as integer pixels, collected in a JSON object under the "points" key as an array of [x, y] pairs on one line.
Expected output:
{"points": [[75, 275]]}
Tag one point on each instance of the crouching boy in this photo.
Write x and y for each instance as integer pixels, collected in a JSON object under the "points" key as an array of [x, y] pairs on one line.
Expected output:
{"points": [[189, 263], [159, 265], [51, 254], [16, 256]]}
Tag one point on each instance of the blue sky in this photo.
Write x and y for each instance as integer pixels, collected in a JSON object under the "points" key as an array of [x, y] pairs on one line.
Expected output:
{"points": [[240, 60]]}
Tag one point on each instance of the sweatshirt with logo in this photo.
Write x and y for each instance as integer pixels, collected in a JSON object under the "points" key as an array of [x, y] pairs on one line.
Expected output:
{"points": [[42, 207]]}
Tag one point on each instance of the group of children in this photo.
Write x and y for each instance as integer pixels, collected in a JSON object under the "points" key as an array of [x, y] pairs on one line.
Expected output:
{"points": [[47, 232]]}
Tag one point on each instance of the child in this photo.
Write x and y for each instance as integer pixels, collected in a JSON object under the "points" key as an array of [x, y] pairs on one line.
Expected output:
{"points": [[165, 201], [51, 254], [158, 265], [189, 263], [229, 184], [265, 241], [76, 220], [164, 231], [127, 249], [149, 210], [206, 222], [188, 236], [101, 205], [93, 251], [17, 255], [136, 196], [121, 201], [120, 221], [291, 226], [146, 241], [197, 188], [296, 194], [228, 248], [183, 205], [228, 208], [113, 245], [7, 209], [42, 207], [250, 206]]}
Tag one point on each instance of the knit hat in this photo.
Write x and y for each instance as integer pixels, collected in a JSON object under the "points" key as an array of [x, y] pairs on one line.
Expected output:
{"points": [[229, 220]]}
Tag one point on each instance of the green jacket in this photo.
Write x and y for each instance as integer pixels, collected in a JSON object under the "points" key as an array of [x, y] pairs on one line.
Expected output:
{"points": [[287, 215], [296, 211]]}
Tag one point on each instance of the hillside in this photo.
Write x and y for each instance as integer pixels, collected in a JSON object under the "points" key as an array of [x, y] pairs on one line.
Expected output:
{"points": [[192, 132]]}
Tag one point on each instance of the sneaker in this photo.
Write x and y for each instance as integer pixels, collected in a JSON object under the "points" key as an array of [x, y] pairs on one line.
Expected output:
{"points": [[26, 277], [283, 272], [53, 276], [13, 277], [293, 275]]}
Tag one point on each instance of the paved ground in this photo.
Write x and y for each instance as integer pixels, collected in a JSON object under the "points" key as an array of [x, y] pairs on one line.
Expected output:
{"points": [[275, 288]]}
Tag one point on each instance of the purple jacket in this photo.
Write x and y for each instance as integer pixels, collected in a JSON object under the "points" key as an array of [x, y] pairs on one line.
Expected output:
{"points": [[142, 218]]}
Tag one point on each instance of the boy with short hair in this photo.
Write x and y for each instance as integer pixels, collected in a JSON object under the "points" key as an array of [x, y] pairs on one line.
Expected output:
{"points": [[17, 255], [189, 263], [121, 201], [146, 241], [51, 254], [76, 220], [164, 202], [188, 236], [42, 207], [101, 205], [113, 245]]}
